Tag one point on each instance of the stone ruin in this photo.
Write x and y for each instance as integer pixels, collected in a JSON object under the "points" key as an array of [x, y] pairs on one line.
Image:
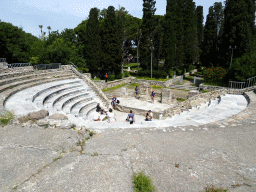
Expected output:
{"points": [[4, 67], [144, 91], [166, 96]]}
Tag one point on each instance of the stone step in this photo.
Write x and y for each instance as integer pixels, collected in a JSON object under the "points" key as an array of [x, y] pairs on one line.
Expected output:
{"points": [[83, 111], [31, 76], [9, 92], [18, 74], [15, 84], [56, 99], [44, 92]]}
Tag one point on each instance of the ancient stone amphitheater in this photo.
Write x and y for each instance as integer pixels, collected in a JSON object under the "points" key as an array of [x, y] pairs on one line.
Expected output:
{"points": [[66, 91]]}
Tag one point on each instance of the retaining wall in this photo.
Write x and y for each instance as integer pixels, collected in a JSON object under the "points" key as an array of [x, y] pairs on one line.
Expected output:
{"points": [[197, 100]]}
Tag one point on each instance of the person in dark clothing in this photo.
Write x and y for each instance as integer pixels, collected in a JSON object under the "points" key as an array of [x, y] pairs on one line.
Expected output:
{"points": [[99, 108], [131, 117], [106, 76]]}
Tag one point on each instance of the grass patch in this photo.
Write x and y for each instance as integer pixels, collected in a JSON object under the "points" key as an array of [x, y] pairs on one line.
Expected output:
{"points": [[6, 118], [180, 99], [116, 87], [142, 183], [153, 79], [179, 89], [189, 78], [132, 65], [156, 86], [95, 154], [57, 158], [15, 187], [205, 91], [81, 143], [135, 84], [11, 87], [91, 133], [214, 189], [105, 118]]}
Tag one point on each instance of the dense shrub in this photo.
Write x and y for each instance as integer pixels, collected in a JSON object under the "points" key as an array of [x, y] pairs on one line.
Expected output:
{"points": [[126, 74], [215, 75], [83, 69], [170, 73], [243, 67]]}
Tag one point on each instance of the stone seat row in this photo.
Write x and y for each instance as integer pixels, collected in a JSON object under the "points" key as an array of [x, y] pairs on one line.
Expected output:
{"points": [[228, 106], [67, 97], [37, 78], [57, 98]]}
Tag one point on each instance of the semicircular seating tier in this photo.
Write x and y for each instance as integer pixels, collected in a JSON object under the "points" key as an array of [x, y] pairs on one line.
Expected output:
{"points": [[61, 91]]}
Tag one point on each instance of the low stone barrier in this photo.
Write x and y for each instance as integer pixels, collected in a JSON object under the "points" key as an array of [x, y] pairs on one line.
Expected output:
{"points": [[194, 101], [94, 87]]}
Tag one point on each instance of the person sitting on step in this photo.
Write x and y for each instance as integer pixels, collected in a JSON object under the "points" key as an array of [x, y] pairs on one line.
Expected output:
{"points": [[131, 117]]}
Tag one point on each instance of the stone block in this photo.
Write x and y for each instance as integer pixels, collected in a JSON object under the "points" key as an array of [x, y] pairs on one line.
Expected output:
{"points": [[166, 96], [192, 93], [38, 114]]}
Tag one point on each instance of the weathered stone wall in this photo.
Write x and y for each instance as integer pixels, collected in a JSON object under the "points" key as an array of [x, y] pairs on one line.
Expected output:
{"points": [[196, 100], [209, 87], [104, 85]]}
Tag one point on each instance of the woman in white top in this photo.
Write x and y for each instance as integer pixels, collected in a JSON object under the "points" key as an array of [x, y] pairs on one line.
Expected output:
{"points": [[111, 116]]}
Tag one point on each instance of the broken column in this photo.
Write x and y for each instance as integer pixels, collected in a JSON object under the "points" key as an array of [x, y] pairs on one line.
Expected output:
{"points": [[166, 96]]}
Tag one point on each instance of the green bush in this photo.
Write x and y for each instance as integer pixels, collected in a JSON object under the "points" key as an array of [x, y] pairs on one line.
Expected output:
{"points": [[215, 75], [126, 74], [111, 77], [243, 67], [171, 73], [142, 183], [119, 76], [6, 118], [179, 72]]}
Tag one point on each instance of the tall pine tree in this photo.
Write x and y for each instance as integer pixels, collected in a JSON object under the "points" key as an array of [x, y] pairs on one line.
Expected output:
{"points": [[200, 25], [190, 32], [93, 45], [169, 38], [111, 49], [212, 33], [146, 29], [179, 26]]}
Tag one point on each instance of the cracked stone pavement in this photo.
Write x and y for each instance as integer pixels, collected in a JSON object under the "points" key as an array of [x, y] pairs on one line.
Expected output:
{"points": [[187, 159]]}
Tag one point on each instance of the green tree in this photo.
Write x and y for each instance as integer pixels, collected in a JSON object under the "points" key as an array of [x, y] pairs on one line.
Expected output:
{"points": [[179, 26], [200, 26], [212, 34], [169, 39], [190, 33], [146, 28], [93, 45], [238, 29], [15, 43], [111, 49]]}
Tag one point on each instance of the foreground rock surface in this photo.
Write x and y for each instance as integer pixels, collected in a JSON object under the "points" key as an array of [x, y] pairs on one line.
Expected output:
{"points": [[38, 114], [177, 159]]}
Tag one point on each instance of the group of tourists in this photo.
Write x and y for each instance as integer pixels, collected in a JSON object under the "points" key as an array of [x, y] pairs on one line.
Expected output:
{"points": [[111, 116], [152, 95]]}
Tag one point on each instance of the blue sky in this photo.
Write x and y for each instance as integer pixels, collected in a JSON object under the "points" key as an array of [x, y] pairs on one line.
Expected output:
{"points": [[61, 14]]}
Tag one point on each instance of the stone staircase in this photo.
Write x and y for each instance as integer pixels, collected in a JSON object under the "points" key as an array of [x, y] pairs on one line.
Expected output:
{"points": [[11, 83], [61, 90]]}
